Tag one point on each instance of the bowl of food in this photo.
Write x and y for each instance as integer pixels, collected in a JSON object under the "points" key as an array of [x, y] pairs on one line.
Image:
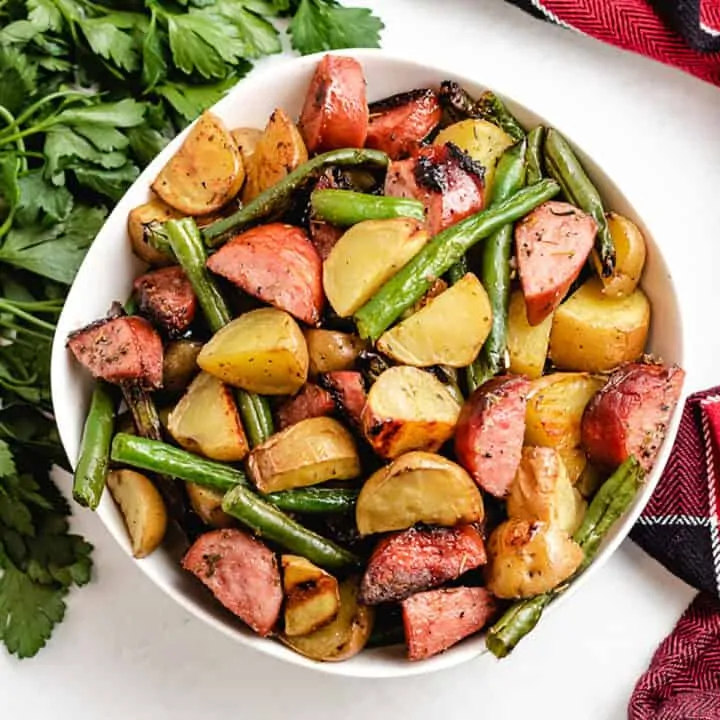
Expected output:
{"points": [[369, 367]]}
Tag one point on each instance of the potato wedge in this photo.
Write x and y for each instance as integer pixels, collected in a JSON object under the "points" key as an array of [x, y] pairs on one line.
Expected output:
{"points": [[555, 407], [408, 409], [312, 597], [331, 351], [180, 365], [590, 480], [205, 173], [279, 150], [594, 333], [529, 558], [630, 254], [342, 638], [542, 491], [575, 461], [527, 344], [483, 141], [246, 138], [365, 257], [262, 351], [206, 421], [417, 487], [449, 330], [207, 503], [154, 211], [309, 452], [142, 507]]}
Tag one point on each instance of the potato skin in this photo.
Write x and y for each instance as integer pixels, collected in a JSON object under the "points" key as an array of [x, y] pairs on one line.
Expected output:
{"points": [[180, 364], [630, 252], [207, 503], [153, 211], [331, 350], [529, 558]]}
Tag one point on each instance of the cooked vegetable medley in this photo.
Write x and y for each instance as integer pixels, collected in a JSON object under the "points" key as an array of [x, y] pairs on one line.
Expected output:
{"points": [[385, 371]]}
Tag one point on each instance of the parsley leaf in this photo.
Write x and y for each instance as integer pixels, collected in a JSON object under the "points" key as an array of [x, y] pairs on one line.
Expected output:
{"points": [[40, 201], [191, 100], [108, 41]]}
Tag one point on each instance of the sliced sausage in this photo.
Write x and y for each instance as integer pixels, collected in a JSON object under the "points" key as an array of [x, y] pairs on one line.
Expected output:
{"points": [[277, 264], [630, 414], [437, 619], [124, 349], [347, 388], [167, 298], [335, 113], [490, 432], [312, 401], [447, 181], [241, 572], [413, 560], [552, 244], [400, 123]]}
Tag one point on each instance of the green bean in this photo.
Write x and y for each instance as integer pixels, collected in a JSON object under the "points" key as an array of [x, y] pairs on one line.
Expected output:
{"points": [[515, 624], [346, 207], [495, 274], [492, 108], [535, 138], [440, 254], [458, 271], [92, 464], [184, 239], [564, 166], [314, 500], [275, 200]]}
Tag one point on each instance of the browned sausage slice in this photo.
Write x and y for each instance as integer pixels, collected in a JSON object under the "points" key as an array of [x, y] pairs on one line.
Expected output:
{"points": [[490, 432], [277, 264], [400, 123], [437, 619], [335, 113], [312, 401], [552, 244], [167, 298], [242, 573], [347, 388], [413, 560], [630, 414], [124, 349]]}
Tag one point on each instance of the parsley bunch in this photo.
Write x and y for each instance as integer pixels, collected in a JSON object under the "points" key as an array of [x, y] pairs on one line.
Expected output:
{"points": [[89, 94]]}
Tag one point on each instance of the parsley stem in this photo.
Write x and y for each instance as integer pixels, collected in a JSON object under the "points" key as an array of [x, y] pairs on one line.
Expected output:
{"points": [[17, 311], [68, 94]]}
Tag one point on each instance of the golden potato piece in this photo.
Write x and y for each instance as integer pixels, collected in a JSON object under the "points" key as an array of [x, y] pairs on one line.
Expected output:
{"points": [[331, 350], [279, 150], [312, 597], [449, 330], [527, 344], [262, 351], [595, 333], [205, 173], [142, 507], [138, 220], [180, 364], [309, 452], [207, 503], [630, 254], [575, 461], [366, 257], [206, 421], [345, 636], [417, 487], [246, 138], [555, 407], [408, 409], [529, 558]]}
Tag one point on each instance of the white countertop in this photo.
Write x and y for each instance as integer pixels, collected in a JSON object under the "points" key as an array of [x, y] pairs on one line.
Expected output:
{"points": [[126, 651]]}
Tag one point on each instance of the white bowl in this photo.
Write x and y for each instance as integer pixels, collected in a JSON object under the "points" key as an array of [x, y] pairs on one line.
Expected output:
{"points": [[108, 272]]}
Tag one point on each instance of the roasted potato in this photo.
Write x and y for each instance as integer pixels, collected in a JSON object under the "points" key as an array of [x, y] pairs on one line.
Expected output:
{"points": [[330, 350], [529, 558], [590, 480], [309, 452], [142, 507], [527, 344], [342, 638], [483, 141], [594, 333], [417, 487], [153, 211], [279, 150], [207, 503], [542, 491], [262, 351], [629, 257], [449, 330], [555, 407], [246, 138], [575, 461], [408, 409], [180, 364], [312, 597], [205, 173], [365, 257], [206, 421]]}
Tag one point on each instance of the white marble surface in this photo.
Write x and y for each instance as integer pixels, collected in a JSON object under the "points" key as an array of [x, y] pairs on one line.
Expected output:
{"points": [[126, 651]]}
